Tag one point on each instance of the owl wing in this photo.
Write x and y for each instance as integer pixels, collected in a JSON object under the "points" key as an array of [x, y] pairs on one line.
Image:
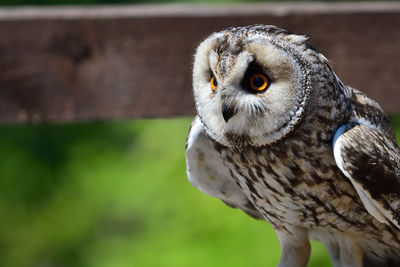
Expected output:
{"points": [[371, 160], [206, 171]]}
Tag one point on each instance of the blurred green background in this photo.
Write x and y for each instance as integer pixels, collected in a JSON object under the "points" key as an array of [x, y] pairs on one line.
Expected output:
{"points": [[115, 194]]}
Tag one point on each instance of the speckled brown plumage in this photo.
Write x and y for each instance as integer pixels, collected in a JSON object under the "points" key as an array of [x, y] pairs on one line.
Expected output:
{"points": [[297, 154]]}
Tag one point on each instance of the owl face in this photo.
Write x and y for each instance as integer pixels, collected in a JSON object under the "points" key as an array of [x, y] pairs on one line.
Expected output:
{"points": [[251, 84]]}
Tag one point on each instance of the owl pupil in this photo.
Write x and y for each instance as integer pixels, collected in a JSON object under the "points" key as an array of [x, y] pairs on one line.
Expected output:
{"points": [[215, 82], [258, 82]]}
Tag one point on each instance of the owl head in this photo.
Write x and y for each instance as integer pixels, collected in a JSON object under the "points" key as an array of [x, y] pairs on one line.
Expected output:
{"points": [[253, 84]]}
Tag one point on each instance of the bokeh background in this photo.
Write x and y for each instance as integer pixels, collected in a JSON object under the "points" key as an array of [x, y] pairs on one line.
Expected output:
{"points": [[115, 194]]}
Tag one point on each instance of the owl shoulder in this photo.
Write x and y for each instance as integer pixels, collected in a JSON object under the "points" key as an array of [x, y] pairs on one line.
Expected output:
{"points": [[368, 112]]}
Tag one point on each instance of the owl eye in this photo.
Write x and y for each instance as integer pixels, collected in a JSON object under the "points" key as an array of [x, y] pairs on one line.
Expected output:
{"points": [[213, 83], [258, 82]]}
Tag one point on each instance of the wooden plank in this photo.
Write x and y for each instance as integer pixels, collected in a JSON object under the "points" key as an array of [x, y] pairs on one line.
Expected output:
{"points": [[100, 63]]}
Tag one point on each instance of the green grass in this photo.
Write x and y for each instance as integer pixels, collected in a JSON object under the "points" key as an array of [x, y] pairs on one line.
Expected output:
{"points": [[116, 195]]}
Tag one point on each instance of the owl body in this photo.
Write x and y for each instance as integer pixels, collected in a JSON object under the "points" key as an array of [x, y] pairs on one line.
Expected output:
{"points": [[277, 135]]}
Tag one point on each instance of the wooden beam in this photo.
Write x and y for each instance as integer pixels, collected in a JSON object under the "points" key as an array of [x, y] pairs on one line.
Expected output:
{"points": [[115, 62]]}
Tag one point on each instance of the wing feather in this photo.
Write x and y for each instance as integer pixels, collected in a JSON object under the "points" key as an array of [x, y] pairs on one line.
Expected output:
{"points": [[206, 171], [371, 160]]}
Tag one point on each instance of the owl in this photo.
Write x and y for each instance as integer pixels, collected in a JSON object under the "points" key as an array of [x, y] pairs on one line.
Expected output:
{"points": [[279, 136]]}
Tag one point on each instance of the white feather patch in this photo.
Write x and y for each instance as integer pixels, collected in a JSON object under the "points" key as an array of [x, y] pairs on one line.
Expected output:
{"points": [[206, 170]]}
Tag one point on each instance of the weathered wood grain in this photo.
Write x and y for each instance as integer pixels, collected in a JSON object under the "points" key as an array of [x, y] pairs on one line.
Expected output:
{"points": [[100, 63]]}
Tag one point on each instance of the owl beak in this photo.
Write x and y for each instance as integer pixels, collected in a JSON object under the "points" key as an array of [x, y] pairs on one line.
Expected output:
{"points": [[227, 111]]}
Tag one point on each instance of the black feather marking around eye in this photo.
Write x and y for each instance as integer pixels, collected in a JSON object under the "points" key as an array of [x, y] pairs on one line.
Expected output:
{"points": [[253, 68]]}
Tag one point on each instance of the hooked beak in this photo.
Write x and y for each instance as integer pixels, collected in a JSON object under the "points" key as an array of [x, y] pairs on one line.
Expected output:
{"points": [[227, 111]]}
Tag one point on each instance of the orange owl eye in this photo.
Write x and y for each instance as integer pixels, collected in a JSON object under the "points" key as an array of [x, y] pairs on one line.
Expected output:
{"points": [[258, 82], [213, 83]]}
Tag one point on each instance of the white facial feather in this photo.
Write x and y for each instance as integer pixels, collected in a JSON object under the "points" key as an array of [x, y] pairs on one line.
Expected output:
{"points": [[264, 117]]}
